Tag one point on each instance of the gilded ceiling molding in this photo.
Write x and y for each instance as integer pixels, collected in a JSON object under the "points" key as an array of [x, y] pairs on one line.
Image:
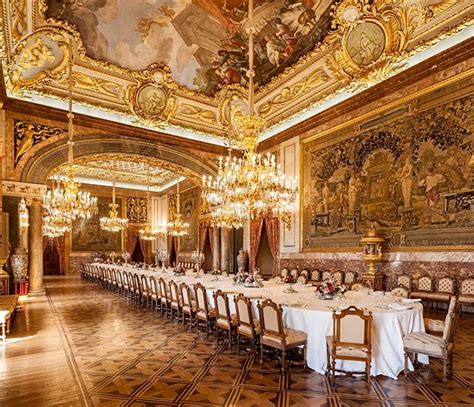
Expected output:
{"points": [[367, 42]]}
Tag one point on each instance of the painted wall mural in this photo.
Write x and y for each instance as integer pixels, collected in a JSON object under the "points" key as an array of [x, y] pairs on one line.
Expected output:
{"points": [[413, 178], [88, 237], [204, 42]]}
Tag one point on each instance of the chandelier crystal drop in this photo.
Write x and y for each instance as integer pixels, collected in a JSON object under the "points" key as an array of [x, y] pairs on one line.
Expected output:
{"points": [[252, 186], [113, 223], [65, 202], [178, 227]]}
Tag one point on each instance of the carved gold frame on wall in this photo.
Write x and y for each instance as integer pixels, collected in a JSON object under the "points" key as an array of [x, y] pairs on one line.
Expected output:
{"points": [[317, 76]]}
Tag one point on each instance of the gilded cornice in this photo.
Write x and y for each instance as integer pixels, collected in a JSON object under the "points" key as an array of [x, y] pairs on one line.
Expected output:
{"points": [[35, 52]]}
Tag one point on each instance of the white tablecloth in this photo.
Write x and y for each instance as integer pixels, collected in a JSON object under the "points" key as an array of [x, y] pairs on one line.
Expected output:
{"points": [[305, 312]]}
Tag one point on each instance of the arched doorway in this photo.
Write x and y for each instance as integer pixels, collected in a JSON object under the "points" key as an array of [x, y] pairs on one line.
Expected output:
{"points": [[264, 255]]}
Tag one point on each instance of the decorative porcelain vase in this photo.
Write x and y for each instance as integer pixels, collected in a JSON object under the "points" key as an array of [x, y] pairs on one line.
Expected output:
{"points": [[242, 260], [19, 262]]}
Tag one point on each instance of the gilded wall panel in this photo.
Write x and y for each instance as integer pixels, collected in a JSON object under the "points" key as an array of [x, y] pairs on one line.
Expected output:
{"points": [[412, 177]]}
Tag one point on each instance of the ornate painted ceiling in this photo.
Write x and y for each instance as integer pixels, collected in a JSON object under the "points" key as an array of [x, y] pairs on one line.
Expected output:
{"points": [[180, 65], [131, 171]]}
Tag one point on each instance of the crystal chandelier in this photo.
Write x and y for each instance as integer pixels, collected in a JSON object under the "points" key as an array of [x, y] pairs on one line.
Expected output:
{"points": [[253, 186], [23, 214], [177, 227], [148, 232], [65, 203], [113, 223]]}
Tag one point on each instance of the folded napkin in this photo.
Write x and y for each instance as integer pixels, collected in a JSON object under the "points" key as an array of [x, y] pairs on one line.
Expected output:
{"points": [[410, 300], [399, 307]]}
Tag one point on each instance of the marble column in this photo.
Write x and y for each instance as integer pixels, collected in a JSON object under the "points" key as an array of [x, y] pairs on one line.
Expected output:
{"points": [[36, 248], [216, 250], [225, 247]]}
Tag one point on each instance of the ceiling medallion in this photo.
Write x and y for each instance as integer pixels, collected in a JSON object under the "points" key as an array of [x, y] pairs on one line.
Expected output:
{"points": [[65, 203], [253, 186]]}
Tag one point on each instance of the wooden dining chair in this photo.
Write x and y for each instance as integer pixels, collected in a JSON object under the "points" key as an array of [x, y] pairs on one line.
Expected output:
{"points": [[338, 277], [350, 277], [351, 339], [145, 291], [203, 312], [400, 292], [155, 293], [326, 275], [188, 308], [175, 306], [433, 345], [224, 320], [164, 298], [274, 335], [247, 326]]}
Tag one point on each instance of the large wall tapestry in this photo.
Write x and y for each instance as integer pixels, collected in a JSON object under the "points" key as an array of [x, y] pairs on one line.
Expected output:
{"points": [[87, 235], [189, 207], [204, 42], [413, 178]]}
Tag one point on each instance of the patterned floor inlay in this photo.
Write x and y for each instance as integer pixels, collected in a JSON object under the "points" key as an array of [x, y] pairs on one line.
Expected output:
{"points": [[84, 346]]}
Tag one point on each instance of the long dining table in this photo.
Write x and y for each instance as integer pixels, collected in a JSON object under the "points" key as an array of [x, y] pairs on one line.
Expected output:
{"points": [[304, 311]]}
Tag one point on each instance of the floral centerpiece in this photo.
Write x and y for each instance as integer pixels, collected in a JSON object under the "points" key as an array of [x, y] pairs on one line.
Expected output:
{"points": [[289, 279], [328, 289], [254, 280], [179, 271]]}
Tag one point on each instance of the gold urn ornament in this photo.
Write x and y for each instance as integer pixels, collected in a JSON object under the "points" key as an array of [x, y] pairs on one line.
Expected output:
{"points": [[372, 254]]}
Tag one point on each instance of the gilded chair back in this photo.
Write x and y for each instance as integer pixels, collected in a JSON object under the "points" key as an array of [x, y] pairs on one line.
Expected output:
{"points": [[173, 291], [163, 291], [284, 273], [144, 284], [326, 275], [451, 319], [337, 277], [154, 286], [350, 277], [271, 318], [315, 275], [446, 285], [401, 292], [201, 298], [186, 295], [404, 280], [467, 286], [425, 283], [222, 305], [244, 314], [294, 273], [305, 274], [352, 328]]}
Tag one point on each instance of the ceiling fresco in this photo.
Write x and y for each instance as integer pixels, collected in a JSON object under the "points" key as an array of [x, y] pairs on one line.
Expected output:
{"points": [[179, 66], [204, 42]]}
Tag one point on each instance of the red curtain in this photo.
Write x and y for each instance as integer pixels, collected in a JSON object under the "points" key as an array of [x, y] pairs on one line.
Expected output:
{"points": [[272, 227], [255, 236], [170, 248]]}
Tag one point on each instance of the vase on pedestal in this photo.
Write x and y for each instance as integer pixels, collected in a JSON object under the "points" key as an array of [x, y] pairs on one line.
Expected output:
{"points": [[19, 263], [242, 258]]}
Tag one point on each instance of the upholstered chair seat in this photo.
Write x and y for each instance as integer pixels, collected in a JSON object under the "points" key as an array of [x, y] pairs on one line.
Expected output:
{"points": [[223, 323], [466, 298], [348, 351], [291, 337], [247, 331], [426, 343], [203, 315], [432, 345]]}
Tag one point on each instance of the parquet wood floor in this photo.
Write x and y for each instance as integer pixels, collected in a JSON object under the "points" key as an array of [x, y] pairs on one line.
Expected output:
{"points": [[83, 346]]}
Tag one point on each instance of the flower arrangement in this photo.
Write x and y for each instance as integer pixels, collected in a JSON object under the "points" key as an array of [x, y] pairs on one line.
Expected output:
{"points": [[289, 279], [327, 289], [254, 280]]}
